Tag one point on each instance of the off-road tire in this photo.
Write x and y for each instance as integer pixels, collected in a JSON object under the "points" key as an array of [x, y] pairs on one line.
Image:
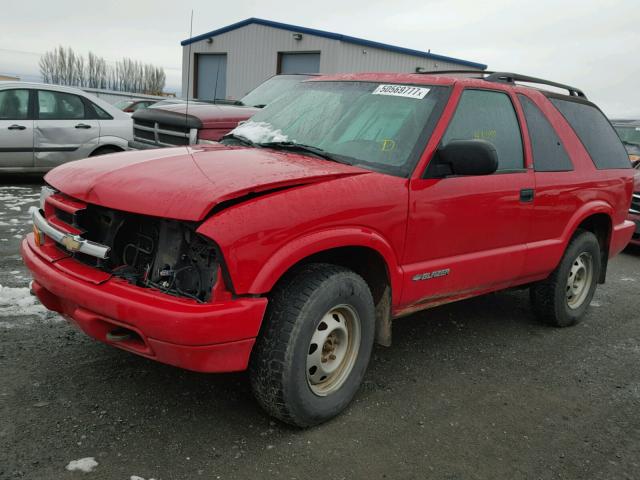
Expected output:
{"points": [[549, 297], [278, 368]]}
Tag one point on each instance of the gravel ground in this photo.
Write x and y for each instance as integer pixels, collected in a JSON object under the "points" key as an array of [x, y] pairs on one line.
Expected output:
{"points": [[473, 390]]}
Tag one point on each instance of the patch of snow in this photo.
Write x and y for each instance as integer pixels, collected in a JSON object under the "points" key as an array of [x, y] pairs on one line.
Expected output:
{"points": [[136, 477], [19, 301], [83, 464], [259, 132], [595, 303], [627, 279]]}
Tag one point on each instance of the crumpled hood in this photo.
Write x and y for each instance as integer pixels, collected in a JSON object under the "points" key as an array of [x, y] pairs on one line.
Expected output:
{"points": [[186, 183]]}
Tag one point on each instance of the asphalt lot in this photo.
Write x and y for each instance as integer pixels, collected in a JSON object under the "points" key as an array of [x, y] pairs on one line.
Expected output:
{"points": [[473, 390]]}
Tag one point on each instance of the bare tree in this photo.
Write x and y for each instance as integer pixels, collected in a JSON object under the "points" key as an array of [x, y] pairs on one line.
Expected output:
{"points": [[64, 67]]}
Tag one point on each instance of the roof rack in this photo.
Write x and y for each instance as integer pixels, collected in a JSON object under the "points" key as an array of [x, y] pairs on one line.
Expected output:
{"points": [[447, 72], [507, 77]]}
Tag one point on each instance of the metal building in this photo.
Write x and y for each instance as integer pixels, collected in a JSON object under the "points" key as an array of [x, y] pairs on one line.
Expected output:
{"points": [[231, 61]]}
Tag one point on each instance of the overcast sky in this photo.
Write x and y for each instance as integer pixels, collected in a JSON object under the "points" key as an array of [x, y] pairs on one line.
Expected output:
{"points": [[594, 45]]}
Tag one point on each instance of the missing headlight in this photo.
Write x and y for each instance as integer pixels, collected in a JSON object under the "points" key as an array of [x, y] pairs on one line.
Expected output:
{"points": [[167, 255]]}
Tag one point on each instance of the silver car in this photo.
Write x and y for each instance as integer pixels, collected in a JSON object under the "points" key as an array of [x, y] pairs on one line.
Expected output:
{"points": [[43, 126]]}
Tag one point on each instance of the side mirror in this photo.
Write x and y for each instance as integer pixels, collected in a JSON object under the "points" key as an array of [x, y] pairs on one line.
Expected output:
{"points": [[467, 157]]}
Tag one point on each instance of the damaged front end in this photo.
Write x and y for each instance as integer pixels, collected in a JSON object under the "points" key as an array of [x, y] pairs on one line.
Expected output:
{"points": [[149, 252]]}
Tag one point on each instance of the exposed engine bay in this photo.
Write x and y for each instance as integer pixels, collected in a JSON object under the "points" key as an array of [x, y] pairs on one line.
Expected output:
{"points": [[167, 255]]}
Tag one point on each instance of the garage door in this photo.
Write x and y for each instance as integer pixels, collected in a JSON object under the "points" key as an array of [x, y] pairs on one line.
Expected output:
{"points": [[211, 80], [299, 63]]}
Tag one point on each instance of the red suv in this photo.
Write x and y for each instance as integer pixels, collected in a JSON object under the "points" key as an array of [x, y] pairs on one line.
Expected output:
{"points": [[349, 202]]}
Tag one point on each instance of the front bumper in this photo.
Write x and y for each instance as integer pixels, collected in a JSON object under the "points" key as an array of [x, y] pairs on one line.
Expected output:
{"points": [[209, 337]]}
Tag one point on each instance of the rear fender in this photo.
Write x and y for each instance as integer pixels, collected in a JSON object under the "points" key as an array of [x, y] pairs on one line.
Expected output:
{"points": [[544, 256]]}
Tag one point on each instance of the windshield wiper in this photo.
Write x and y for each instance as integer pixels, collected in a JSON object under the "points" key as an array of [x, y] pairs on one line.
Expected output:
{"points": [[299, 147], [633, 144], [239, 138]]}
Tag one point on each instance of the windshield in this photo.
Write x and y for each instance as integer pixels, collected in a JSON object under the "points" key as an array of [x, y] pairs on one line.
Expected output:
{"points": [[380, 127], [630, 136], [268, 91]]}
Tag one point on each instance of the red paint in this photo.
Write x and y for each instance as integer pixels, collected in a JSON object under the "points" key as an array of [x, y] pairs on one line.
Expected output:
{"points": [[175, 331], [186, 183], [269, 210]]}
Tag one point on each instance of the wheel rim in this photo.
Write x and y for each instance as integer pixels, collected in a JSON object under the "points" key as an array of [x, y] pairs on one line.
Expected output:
{"points": [[333, 350], [579, 280]]}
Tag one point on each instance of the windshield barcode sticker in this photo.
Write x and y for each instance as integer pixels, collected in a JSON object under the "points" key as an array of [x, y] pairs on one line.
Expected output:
{"points": [[401, 91]]}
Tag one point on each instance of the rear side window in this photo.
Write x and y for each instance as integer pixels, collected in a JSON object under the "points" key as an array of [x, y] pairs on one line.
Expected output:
{"points": [[14, 104], [100, 113], [595, 132], [549, 155], [59, 106], [490, 116]]}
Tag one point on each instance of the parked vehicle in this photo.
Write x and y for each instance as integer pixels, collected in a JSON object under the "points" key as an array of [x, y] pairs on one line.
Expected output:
{"points": [[634, 211], [629, 132], [130, 106], [182, 123], [350, 201], [43, 126]]}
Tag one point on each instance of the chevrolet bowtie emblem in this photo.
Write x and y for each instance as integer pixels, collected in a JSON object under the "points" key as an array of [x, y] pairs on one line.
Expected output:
{"points": [[70, 243]]}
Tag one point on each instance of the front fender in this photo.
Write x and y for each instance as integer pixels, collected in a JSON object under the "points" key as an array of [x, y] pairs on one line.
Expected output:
{"points": [[316, 242], [263, 236]]}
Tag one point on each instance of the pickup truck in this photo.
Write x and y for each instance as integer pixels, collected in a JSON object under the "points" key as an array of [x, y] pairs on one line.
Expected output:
{"points": [[179, 122], [353, 200]]}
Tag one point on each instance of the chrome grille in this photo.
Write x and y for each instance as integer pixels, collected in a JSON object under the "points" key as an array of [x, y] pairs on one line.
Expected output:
{"points": [[158, 134], [635, 204]]}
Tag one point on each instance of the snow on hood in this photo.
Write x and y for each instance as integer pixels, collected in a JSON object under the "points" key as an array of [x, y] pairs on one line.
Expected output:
{"points": [[259, 132]]}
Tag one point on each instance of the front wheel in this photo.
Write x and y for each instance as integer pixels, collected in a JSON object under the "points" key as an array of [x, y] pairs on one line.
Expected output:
{"points": [[563, 299], [314, 346]]}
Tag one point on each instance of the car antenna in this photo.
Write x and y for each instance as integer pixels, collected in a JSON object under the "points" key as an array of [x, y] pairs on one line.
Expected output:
{"points": [[186, 111], [215, 86]]}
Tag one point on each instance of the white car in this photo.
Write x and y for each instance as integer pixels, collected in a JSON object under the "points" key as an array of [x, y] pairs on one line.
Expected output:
{"points": [[43, 126]]}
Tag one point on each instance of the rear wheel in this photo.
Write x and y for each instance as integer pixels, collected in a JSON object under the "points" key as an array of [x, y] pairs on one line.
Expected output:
{"points": [[563, 299], [314, 346]]}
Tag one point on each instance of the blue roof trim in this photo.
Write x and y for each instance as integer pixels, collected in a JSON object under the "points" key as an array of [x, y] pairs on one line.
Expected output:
{"points": [[333, 36]]}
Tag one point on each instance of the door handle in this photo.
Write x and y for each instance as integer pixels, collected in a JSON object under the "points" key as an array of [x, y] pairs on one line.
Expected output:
{"points": [[527, 195], [83, 125], [17, 127]]}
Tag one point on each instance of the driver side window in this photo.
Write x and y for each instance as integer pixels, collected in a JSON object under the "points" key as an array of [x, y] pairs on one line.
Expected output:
{"points": [[14, 104], [490, 116]]}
